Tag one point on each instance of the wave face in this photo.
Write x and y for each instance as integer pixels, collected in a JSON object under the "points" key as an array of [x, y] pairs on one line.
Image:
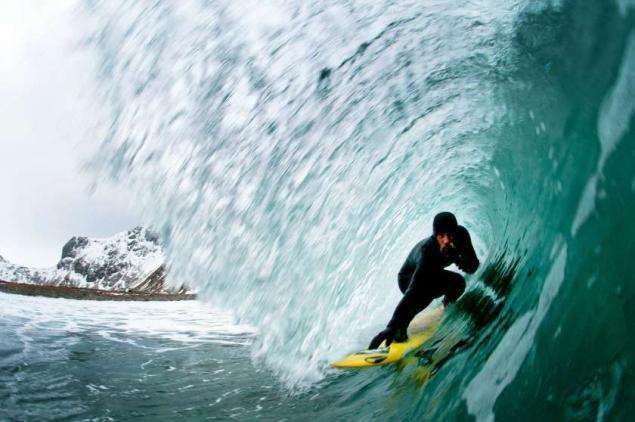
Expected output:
{"points": [[292, 154]]}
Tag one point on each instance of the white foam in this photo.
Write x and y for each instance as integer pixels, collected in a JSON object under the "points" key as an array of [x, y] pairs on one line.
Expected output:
{"points": [[188, 322]]}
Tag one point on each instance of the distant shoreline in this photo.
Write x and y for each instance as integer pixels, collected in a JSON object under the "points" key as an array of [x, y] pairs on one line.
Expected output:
{"points": [[84, 293]]}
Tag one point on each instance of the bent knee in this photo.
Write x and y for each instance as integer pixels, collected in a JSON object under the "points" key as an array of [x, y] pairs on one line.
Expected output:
{"points": [[403, 284]]}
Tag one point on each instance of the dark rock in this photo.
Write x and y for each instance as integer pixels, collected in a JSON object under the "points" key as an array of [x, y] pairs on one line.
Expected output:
{"points": [[152, 236], [70, 248], [65, 263], [82, 267]]}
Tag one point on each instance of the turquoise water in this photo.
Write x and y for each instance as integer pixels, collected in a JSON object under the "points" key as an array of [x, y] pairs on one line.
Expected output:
{"points": [[292, 154]]}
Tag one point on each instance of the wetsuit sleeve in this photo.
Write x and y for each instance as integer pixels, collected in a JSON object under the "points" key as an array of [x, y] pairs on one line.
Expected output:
{"points": [[405, 274], [466, 258]]}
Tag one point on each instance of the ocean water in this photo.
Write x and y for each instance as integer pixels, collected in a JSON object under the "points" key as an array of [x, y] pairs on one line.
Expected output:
{"points": [[291, 154], [64, 359]]}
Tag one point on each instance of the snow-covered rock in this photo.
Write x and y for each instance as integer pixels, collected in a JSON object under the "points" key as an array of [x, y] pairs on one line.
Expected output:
{"points": [[131, 260]]}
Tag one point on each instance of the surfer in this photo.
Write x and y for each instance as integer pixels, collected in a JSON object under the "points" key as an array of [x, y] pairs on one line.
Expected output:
{"points": [[423, 278]]}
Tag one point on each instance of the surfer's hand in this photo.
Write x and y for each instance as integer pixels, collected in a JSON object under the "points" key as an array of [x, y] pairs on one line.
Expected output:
{"points": [[388, 334], [451, 252], [461, 238]]}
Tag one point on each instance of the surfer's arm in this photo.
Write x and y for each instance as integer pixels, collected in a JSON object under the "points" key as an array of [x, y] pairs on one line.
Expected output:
{"points": [[466, 258], [405, 274]]}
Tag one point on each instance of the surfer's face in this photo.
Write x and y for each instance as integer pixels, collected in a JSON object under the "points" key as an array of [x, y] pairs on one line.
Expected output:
{"points": [[444, 240]]}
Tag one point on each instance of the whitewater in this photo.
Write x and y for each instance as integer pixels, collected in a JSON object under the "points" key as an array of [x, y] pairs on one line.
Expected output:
{"points": [[290, 154]]}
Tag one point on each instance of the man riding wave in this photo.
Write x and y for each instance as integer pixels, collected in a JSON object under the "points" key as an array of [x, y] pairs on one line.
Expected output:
{"points": [[423, 276]]}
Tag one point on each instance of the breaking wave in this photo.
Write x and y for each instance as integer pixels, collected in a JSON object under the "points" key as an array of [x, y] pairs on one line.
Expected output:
{"points": [[292, 154]]}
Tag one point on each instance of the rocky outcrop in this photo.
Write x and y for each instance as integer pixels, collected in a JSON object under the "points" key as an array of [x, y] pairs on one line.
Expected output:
{"points": [[131, 261]]}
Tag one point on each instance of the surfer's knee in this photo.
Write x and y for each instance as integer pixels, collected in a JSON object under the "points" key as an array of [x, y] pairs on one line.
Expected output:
{"points": [[403, 284]]}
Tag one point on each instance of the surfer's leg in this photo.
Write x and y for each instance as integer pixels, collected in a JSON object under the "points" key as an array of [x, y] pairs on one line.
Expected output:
{"points": [[410, 305], [404, 282], [453, 286], [412, 302]]}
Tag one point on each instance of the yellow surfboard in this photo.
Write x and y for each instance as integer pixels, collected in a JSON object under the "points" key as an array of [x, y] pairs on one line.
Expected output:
{"points": [[419, 331]]}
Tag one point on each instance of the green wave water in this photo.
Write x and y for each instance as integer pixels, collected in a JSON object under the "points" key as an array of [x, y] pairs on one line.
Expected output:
{"points": [[292, 154]]}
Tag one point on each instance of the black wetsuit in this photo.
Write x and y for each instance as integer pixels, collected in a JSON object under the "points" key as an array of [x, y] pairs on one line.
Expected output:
{"points": [[423, 278]]}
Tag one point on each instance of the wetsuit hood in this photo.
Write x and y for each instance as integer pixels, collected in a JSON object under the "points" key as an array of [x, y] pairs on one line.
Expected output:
{"points": [[444, 222]]}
